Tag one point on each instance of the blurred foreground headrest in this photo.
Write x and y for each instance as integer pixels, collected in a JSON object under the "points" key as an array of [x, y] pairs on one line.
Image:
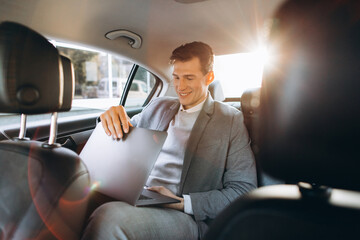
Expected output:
{"points": [[310, 114]]}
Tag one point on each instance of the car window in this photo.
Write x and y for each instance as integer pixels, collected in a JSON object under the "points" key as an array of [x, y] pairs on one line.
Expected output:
{"points": [[94, 72], [238, 72], [141, 86], [134, 87]]}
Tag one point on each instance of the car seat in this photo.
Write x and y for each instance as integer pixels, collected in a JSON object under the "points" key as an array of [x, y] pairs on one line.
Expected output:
{"points": [[309, 129], [250, 106], [216, 91], [43, 186]]}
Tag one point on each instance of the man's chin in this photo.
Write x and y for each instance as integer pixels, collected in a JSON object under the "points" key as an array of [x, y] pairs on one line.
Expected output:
{"points": [[183, 102]]}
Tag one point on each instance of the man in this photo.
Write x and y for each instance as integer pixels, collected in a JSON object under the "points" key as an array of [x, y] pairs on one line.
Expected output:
{"points": [[206, 161]]}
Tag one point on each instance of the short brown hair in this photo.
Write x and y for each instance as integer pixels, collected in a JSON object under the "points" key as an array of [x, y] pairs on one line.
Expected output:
{"points": [[195, 49]]}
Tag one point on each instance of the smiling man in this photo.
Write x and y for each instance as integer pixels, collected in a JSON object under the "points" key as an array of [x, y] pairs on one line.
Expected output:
{"points": [[191, 81], [206, 161]]}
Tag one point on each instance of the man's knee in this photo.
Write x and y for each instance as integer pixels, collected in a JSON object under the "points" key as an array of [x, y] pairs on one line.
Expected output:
{"points": [[119, 220], [106, 220]]}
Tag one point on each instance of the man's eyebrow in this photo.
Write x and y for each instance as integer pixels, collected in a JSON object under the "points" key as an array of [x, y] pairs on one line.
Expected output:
{"points": [[186, 75], [189, 75]]}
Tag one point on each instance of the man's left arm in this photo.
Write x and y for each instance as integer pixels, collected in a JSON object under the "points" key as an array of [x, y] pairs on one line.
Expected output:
{"points": [[239, 176]]}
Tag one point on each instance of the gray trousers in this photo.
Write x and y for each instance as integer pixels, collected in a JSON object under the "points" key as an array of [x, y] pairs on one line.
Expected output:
{"points": [[119, 220]]}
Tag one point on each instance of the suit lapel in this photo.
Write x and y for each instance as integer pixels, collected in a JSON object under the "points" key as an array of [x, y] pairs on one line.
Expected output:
{"points": [[195, 136], [168, 116]]}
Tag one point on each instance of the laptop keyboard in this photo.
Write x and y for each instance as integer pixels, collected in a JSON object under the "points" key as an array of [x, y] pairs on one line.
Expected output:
{"points": [[142, 197]]}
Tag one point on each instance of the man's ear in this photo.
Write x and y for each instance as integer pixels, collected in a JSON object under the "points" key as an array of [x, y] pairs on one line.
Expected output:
{"points": [[210, 78]]}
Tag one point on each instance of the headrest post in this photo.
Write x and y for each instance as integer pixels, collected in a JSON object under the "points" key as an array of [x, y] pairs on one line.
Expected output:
{"points": [[53, 132], [53, 128], [314, 191], [22, 127]]}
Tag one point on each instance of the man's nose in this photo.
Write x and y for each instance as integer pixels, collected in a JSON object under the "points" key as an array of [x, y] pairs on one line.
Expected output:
{"points": [[182, 84]]}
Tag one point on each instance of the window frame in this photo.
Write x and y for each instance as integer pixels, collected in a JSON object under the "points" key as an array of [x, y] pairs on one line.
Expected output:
{"points": [[158, 83]]}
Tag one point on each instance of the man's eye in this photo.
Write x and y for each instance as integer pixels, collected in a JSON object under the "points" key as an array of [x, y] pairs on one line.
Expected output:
{"points": [[190, 78]]}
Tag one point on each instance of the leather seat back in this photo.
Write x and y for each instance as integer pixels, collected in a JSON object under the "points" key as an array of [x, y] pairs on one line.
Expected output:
{"points": [[250, 107], [43, 187], [308, 133]]}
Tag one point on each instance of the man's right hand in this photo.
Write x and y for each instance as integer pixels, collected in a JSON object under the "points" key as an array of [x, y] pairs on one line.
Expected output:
{"points": [[115, 121]]}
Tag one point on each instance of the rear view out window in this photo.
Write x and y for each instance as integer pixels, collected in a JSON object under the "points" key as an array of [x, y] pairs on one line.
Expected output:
{"points": [[238, 72], [140, 88], [100, 77]]}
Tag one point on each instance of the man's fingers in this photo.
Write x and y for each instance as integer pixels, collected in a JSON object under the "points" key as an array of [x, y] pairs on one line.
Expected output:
{"points": [[113, 126], [114, 113], [162, 190], [111, 123], [124, 119], [155, 189], [130, 122], [104, 125], [115, 121]]}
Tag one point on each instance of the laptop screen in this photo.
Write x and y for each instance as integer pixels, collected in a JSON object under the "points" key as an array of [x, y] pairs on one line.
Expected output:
{"points": [[120, 168]]}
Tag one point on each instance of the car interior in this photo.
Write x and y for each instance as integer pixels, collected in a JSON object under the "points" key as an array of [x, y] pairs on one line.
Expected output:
{"points": [[57, 56]]}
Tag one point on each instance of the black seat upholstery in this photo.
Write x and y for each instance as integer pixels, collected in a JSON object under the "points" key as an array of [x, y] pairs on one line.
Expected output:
{"points": [[309, 129], [250, 107], [42, 185]]}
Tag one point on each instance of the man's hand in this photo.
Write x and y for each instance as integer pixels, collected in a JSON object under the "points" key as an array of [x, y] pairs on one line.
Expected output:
{"points": [[115, 121], [164, 191]]}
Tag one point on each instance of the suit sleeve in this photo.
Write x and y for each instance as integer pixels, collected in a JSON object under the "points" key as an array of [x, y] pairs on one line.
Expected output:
{"points": [[136, 118], [147, 112], [239, 175]]}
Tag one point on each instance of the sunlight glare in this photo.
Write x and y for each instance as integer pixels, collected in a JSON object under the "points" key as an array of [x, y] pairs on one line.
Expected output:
{"points": [[263, 55], [94, 186], [238, 72]]}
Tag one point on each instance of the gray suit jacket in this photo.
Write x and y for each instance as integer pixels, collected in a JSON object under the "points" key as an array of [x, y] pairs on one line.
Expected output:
{"points": [[219, 165]]}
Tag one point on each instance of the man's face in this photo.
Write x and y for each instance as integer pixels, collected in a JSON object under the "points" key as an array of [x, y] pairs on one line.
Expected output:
{"points": [[190, 83]]}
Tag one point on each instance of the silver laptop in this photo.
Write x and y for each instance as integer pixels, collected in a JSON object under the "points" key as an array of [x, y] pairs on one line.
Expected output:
{"points": [[120, 168]]}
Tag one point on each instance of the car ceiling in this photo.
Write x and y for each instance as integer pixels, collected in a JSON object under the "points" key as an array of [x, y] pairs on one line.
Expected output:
{"points": [[229, 26]]}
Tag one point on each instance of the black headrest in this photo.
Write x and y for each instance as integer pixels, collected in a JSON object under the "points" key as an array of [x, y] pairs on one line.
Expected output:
{"points": [[69, 82], [31, 78], [216, 91], [250, 104], [310, 118], [250, 101]]}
